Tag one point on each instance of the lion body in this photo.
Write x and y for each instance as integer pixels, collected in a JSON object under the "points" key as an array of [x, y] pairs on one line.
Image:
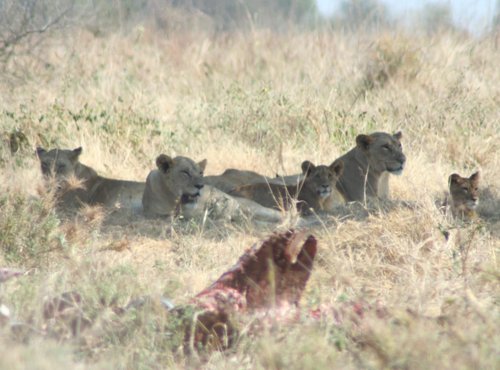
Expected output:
{"points": [[63, 164], [313, 191], [234, 178], [217, 205], [368, 165], [169, 193]]}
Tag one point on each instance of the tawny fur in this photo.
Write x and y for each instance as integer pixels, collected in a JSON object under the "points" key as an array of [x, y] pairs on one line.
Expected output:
{"points": [[63, 165], [464, 195], [311, 193]]}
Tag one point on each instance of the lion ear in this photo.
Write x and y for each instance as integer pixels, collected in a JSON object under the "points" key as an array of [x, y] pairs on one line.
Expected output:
{"points": [[474, 178], [454, 179], [40, 151], [364, 141], [75, 153], [337, 167], [164, 162], [307, 167], [398, 135], [202, 164]]}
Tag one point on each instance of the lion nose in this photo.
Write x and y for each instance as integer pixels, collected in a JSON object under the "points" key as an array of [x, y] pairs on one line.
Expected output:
{"points": [[199, 186], [402, 159]]}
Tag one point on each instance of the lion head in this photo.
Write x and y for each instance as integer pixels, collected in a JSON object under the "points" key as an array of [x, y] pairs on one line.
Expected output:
{"points": [[383, 151], [174, 186], [464, 192], [320, 180], [182, 176], [58, 163]]}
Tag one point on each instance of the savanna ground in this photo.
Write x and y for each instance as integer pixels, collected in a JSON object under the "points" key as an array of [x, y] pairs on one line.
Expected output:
{"points": [[261, 101]]}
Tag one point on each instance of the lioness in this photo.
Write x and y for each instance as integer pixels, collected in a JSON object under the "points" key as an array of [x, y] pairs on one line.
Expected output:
{"points": [[177, 188], [367, 165], [62, 164], [312, 192], [464, 195], [174, 187]]}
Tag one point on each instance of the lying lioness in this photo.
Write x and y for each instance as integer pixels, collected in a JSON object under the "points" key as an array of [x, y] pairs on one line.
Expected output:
{"points": [[174, 187], [62, 165], [312, 192], [233, 178], [464, 195], [366, 167]]}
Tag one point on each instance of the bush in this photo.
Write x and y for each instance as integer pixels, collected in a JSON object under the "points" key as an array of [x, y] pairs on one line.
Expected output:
{"points": [[28, 229]]}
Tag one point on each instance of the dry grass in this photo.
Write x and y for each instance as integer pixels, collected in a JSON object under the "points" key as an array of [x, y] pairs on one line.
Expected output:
{"points": [[262, 102]]}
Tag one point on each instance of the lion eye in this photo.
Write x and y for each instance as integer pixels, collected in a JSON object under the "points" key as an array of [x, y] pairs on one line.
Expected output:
{"points": [[186, 173]]}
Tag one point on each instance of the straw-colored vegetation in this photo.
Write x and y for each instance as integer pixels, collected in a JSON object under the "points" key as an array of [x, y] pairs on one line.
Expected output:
{"points": [[266, 102]]}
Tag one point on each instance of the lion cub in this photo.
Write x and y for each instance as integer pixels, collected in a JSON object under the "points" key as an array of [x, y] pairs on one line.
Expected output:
{"points": [[464, 195], [313, 191]]}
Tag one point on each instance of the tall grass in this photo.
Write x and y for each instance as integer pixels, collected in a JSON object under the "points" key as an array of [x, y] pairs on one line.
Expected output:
{"points": [[270, 101]]}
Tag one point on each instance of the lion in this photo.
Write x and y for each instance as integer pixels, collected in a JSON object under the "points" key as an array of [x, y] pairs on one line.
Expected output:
{"points": [[233, 178], [174, 187], [312, 192], [366, 167], [63, 164], [177, 188], [464, 195]]}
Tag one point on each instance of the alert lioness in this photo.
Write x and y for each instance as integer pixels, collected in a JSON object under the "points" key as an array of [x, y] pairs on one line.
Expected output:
{"points": [[464, 195], [367, 165], [312, 192], [62, 165]]}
